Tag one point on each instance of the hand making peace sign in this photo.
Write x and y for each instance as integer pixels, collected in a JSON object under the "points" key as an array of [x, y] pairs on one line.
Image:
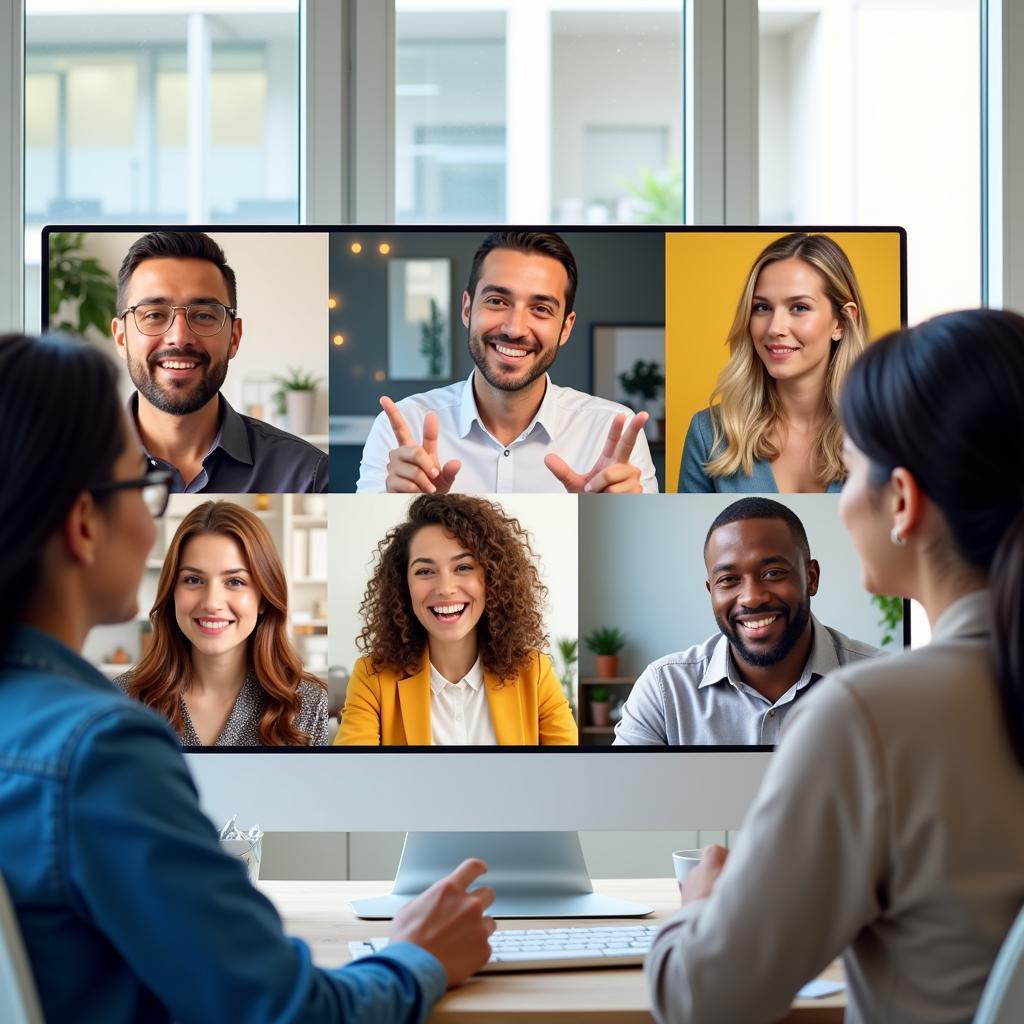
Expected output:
{"points": [[613, 473], [413, 468]]}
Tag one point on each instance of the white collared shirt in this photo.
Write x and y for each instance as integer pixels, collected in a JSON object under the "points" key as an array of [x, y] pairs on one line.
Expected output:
{"points": [[459, 713], [568, 423]]}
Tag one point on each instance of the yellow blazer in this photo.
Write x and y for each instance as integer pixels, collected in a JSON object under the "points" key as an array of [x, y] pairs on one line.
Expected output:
{"points": [[388, 708]]}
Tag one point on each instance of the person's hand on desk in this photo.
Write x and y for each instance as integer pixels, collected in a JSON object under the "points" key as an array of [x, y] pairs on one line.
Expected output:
{"points": [[701, 880], [450, 923]]}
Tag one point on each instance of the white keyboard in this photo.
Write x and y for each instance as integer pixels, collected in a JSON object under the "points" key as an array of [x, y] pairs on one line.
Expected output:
{"points": [[549, 949]]}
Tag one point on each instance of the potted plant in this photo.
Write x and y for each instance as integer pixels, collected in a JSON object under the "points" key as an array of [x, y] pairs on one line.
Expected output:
{"points": [[606, 643], [296, 396], [645, 381], [82, 293], [600, 703]]}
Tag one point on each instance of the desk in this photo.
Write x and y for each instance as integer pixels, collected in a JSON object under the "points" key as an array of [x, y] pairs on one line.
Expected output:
{"points": [[319, 913]]}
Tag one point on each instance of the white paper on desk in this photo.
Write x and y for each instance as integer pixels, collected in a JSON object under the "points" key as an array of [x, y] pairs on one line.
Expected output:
{"points": [[819, 988]]}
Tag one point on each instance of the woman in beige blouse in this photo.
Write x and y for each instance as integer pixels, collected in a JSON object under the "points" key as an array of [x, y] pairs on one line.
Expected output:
{"points": [[890, 822]]}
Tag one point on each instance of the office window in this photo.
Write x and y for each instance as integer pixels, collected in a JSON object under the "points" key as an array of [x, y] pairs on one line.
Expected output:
{"points": [[870, 113], [525, 112], [171, 113]]}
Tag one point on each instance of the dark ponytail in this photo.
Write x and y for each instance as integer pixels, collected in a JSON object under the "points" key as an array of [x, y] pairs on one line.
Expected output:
{"points": [[61, 430], [1007, 642], [945, 400]]}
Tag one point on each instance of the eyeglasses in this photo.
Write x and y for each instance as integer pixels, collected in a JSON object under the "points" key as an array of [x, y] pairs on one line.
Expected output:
{"points": [[155, 487], [203, 318]]}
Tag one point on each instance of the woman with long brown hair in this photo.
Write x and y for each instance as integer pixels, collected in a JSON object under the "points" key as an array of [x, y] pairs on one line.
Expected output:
{"points": [[221, 668], [452, 629]]}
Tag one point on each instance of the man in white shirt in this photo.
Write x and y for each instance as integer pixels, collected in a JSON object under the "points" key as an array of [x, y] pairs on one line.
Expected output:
{"points": [[508, 427]]}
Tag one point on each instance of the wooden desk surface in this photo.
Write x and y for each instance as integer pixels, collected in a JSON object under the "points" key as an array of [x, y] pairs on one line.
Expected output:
{"points": [[319, 913]]}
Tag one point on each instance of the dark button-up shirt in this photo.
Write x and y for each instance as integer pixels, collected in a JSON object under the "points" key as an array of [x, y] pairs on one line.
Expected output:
{"points": [[249, 456]]}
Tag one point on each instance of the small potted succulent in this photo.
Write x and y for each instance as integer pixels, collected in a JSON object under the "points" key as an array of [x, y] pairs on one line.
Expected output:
{"points": [[600, 703], [296, 397], [606, 643]]}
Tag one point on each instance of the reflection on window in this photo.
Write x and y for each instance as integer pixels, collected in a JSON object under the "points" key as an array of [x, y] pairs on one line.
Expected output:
{"points": [[519, 111], [870, 114], [164, 117]]}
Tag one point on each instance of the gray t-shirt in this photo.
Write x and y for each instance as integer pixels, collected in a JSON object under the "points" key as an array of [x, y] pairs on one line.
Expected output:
{"points": [[242, 726], [697, 697]]}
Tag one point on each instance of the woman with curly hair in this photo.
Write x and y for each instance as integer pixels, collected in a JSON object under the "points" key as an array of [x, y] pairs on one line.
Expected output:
{"points": [[221, 669], [773, 422], [452, 626]]}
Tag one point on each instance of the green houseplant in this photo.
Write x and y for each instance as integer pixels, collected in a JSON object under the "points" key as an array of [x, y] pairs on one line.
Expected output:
{"points": [[644, 383], [599, 702], [82, 293], [568, 653], [605, 643], [892, 616], [296, 396], [431, 343]]}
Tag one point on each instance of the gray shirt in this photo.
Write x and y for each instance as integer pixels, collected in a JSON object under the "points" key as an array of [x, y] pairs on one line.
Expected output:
{"points": [[249, 456], [888, 824], [697, 697], [242, 727]]}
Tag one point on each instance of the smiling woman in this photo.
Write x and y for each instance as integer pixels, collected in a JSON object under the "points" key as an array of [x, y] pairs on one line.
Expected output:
{"points": [[772, 424], [452, 626], [221, 668]]}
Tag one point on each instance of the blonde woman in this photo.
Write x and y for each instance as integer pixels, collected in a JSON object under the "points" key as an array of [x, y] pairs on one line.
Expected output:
{"points": [[773, 420]]}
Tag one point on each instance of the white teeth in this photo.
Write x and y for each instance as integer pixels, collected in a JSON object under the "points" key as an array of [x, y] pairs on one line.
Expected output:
{"points": [[513, 353], [759, 623], [447, 609], [170, 364], [213, 623]]}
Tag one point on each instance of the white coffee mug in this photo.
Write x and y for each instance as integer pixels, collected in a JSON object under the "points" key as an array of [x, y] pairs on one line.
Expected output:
{"points": [[684, 861]]}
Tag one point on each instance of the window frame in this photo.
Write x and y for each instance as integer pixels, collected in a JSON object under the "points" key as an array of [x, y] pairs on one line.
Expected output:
{"points": [[347, 108]]}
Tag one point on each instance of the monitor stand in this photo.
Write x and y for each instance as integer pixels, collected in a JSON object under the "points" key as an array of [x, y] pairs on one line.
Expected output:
{"points": [[534, 874]]}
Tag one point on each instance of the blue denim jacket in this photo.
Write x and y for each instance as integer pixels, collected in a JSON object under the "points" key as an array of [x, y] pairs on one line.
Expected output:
{"points": [[129, 909]]}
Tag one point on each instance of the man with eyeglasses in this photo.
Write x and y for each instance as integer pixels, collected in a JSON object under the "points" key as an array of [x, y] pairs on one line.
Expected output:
{"points": [[177, 326]]}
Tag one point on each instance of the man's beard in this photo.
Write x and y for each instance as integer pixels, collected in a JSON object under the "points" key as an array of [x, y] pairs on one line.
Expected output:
{"points": [[795, 627], [178, 401], [503, 382]]}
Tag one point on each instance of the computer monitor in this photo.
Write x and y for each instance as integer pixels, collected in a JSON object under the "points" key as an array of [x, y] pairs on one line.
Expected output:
{"points": [[378, 310]]}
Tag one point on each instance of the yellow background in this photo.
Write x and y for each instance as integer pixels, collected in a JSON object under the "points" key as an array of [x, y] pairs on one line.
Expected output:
{"points": [[704, 275]]}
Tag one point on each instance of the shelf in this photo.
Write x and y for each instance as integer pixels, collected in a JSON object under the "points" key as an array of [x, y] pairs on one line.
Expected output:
{"points": [[314, 623], [607, 681], [311, 581], [108, 668], [305, 519]]}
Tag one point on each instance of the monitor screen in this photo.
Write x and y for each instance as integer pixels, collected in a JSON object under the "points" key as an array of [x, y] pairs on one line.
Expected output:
{"points": [[405, 430]]}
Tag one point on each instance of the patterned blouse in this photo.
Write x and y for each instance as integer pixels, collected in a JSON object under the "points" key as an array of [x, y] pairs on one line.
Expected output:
{"points": [[242, 726]]}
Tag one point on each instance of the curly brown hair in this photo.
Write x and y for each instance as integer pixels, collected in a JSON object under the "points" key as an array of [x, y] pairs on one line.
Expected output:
{"points": [[511, 627]]}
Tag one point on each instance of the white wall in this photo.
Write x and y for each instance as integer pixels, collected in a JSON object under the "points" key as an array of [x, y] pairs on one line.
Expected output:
{"points": [[282, 301]]}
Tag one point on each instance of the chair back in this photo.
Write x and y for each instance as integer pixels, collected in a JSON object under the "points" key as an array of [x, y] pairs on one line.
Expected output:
{"points": [[19, 1003], [1002, 1002]]}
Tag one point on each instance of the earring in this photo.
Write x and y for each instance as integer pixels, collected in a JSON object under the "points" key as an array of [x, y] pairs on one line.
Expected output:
{"points": [[894, 536], [836, 337]]}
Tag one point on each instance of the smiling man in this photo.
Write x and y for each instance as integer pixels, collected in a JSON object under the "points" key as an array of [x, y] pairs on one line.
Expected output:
{"points": [[737, 686], [508, 427], [177, 327]]}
